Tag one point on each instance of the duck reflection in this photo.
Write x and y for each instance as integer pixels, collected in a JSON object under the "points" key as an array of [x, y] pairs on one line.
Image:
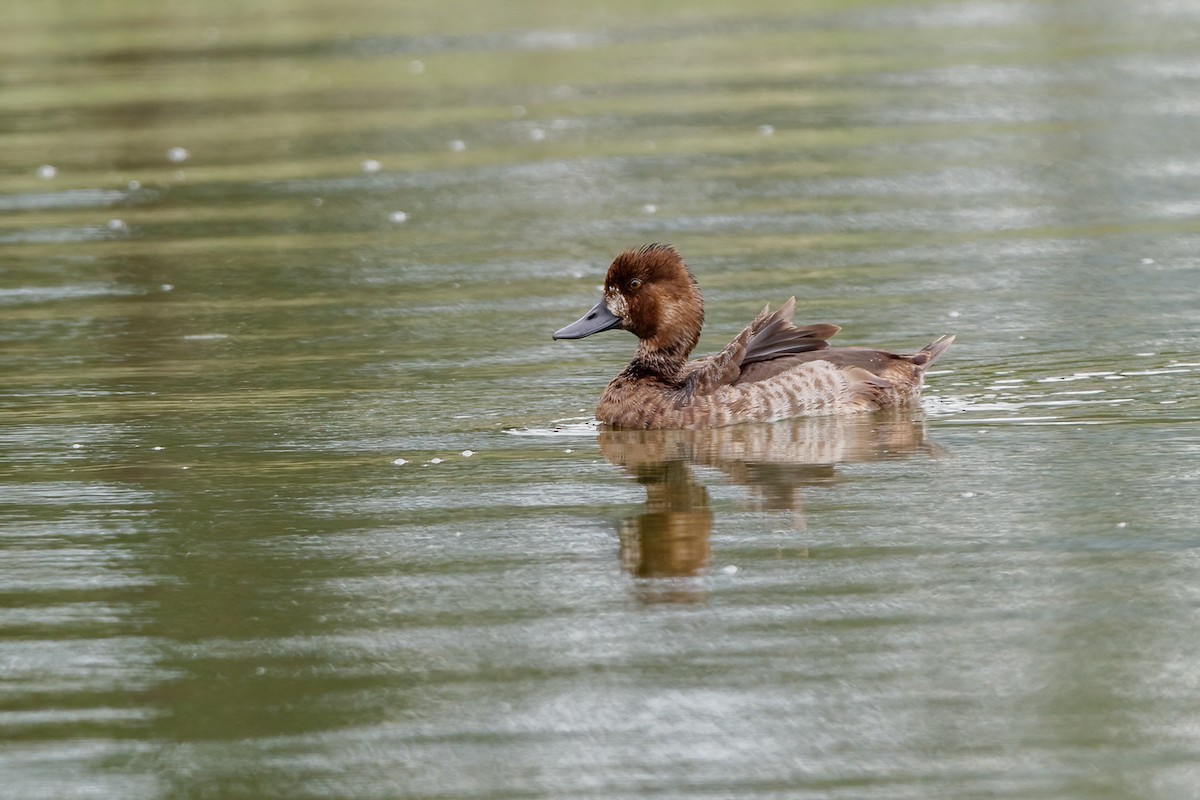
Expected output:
{"points": [[776, 461]]}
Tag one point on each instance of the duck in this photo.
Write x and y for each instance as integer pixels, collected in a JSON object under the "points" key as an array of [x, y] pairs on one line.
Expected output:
{"points": [[772, 370]]}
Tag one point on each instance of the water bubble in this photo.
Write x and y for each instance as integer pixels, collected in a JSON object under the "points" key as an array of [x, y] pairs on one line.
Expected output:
{"points": [[468, 453], [117, 225], [954, 314], [538, 135], [457, 145], [178, 154], [47, 171], [1147, 260], [435, 461], [416, 66], [134, 185], [398, 216], [371, 165], [650, 208], [158, 447], [766, 130], [400, 462], [167, 287], [77, 446], [730, 569]]}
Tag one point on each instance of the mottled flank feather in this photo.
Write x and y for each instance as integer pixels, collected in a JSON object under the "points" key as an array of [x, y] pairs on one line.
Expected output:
{"points": [[772, 370]]}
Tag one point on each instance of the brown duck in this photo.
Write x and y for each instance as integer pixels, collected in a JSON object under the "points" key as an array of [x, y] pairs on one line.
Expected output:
{"points": [[772, 370]]}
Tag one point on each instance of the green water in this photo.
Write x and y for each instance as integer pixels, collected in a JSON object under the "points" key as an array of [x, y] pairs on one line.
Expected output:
{"points": [[299, 499]]}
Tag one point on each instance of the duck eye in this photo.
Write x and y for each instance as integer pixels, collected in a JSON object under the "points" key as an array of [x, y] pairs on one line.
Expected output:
{"points": [[636, 283]]}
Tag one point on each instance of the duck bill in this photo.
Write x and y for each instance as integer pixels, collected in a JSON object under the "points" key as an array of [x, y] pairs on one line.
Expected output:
{"points": [[594, 321]]}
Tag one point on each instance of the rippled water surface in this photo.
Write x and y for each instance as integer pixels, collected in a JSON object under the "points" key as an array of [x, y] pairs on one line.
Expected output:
{"points": [[298, 498]]}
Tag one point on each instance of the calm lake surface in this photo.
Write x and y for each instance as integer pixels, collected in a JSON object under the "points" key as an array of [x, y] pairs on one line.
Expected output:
{"points": [[298, 499]]}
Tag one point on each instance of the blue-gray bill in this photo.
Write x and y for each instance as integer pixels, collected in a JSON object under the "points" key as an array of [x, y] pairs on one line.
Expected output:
{"points": [[598, 319]]}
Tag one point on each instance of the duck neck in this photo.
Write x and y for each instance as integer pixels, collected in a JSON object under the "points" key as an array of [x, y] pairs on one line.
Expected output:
{"points": [[662, 362]]}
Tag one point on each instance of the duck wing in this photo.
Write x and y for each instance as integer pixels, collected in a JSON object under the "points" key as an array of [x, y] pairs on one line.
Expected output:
{"points": [[779, 346], [774, 335], [771, 335], [877, 367]]}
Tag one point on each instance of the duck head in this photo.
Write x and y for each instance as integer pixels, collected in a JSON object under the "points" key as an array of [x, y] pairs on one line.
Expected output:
{"points": [[651, 293]]}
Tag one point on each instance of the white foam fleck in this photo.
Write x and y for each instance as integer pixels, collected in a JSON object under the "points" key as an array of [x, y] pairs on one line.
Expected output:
{"points": [[573, 427], [178, 155], [1163, 371]]}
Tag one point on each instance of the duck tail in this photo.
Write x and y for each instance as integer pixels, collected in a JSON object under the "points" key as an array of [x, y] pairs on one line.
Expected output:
{"points": [[930, 352]]}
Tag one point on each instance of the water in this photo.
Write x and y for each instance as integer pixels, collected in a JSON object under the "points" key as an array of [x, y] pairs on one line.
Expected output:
{"points": [[299, 499]]}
